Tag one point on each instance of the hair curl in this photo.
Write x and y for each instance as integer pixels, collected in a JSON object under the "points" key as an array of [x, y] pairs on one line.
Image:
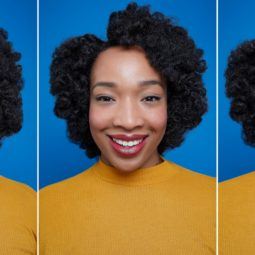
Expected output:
{"points": [[240, 88], [169, 50], [11, 84]]}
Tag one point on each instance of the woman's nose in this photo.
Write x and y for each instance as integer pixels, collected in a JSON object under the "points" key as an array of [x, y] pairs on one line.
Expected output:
{"points": [[128, 115]]}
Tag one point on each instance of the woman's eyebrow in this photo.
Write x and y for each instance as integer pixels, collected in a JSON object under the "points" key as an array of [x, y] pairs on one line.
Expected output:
{"points": [[112, 84], [150, 82], [104, 84]]}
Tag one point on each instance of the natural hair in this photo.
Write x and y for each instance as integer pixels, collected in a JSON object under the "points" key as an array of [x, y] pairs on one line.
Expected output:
{"points": [[10, 87], [240, 88], [169, 50]]}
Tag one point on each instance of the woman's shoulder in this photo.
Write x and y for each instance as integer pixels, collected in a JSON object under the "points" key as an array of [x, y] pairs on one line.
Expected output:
{"points": [[190, 175], [15, 189], [238, 188], [19, 202], [18, 217], [76, 182], [239, 181], [195, 188], [193, 184], [237, 210]]}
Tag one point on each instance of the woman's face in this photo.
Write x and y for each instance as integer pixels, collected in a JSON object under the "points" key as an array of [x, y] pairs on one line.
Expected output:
{"points": [[128, 109]]}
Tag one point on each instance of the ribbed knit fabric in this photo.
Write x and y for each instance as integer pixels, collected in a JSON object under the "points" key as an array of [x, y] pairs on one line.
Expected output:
{"points": [[164, 209], [17, 218], [237, 215]]}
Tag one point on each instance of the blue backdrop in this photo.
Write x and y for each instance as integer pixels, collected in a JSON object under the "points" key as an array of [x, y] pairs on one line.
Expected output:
{"points": [[59, 20], [18, 153], [236, 24]]}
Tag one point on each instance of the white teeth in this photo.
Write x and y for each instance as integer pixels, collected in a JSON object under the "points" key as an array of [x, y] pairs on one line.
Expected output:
{"points": [[128, 144]]}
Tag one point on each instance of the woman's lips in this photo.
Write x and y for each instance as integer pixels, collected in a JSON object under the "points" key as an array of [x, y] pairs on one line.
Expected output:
{"points": [[128, 151]]}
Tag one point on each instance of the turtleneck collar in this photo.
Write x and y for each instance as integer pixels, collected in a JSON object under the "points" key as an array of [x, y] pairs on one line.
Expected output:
{"points": [[143, 176]]}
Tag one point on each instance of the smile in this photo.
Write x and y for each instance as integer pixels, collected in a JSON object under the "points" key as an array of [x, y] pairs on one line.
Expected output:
{"points": [[127, 143], [128, 148]]}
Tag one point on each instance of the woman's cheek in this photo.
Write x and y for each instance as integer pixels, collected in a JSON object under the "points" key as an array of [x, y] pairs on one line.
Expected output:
{"points": [[158, 118], [99, 118]]}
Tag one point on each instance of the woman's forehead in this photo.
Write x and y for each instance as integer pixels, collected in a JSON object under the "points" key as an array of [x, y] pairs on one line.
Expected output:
{"points": [[124, 64]]}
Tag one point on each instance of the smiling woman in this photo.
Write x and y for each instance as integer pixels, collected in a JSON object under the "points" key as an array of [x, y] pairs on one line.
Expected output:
{"points": [[127, 100]]}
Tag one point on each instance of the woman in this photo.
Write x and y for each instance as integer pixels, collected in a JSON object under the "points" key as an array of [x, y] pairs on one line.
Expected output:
{"points": [[127, 100], [18, 202], [237, 210]]}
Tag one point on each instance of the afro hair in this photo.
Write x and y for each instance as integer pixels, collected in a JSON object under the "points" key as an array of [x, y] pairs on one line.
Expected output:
{"points": [[240, 88], [169, 50], [10, 87]]}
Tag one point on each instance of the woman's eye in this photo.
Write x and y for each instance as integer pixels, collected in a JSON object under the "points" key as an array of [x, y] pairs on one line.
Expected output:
{"points": [[104, 98], [152, 98]]}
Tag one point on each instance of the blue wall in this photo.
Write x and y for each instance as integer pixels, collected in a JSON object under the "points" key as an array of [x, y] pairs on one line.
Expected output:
{"points": [[59, 20], [236, 24], [18, 153]]}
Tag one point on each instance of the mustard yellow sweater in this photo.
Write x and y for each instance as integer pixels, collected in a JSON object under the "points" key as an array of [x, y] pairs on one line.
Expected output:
{"points": [[17, 218], [164, 209], [237, 215]]}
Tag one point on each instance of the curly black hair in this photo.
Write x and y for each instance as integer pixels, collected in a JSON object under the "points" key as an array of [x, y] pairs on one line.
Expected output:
{"points": [[240, 88], [169, 50], [11, 83]]}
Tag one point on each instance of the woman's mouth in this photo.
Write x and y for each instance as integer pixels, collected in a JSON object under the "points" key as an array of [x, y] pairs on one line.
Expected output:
{"points": [[128, 147]]}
